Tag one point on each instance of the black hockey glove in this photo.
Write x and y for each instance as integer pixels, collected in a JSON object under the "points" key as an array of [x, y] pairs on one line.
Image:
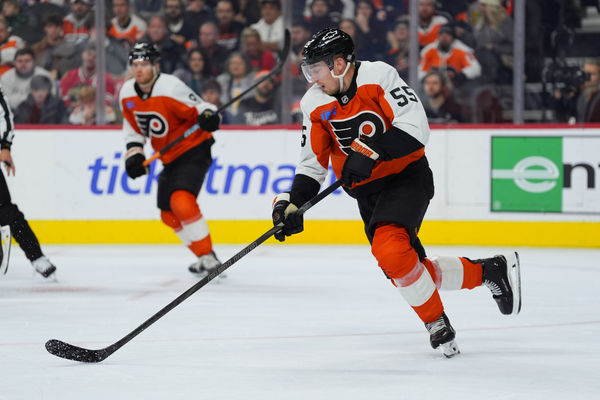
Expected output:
{"points": [[135, 165], [209, 120], [359, 164], [286, 212]]}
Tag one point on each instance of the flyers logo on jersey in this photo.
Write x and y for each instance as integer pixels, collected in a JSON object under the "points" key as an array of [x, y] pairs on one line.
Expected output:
{"points": [[366, 123], [151, 123]]}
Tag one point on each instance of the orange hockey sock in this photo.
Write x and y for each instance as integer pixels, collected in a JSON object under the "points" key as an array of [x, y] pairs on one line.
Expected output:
{"points": [[194, 228], [400, 262]]}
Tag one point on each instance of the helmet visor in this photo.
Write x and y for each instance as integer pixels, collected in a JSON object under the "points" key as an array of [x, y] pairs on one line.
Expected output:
{"points": [[316, 71]]}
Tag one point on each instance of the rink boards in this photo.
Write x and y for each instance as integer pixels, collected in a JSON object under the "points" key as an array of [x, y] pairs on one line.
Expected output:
{"points": [[535, 186]]}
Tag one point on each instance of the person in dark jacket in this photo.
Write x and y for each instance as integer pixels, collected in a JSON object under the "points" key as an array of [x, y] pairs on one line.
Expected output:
{"points": [[40, 106]]}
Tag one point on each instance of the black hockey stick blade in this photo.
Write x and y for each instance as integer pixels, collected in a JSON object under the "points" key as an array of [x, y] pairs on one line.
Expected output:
{"points": [[75, 353]]}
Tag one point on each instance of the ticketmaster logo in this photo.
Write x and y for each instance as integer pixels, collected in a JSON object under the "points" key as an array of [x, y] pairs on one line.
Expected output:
{"points": [[527, 174]]}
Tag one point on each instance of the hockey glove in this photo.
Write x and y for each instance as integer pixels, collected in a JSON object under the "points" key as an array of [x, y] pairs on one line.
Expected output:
{"points": [[286, 213], [359, 164], [209, 120], [134, 165]]}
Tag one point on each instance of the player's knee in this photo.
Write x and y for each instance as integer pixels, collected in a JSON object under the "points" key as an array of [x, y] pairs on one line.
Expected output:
{"points": [[184, 205], [391, 247], [170, 219]]}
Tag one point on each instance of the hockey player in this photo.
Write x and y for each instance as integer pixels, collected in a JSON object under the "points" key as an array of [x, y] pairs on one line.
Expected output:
{"points": [[9, 212], [371, 125], [160, 107]]}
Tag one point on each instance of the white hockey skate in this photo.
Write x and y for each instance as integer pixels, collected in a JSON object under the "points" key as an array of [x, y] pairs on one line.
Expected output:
{"points": [[205, 265], [44, 267], [442, 335]]}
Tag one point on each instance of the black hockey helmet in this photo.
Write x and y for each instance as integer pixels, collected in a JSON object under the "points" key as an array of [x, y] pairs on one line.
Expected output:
{"points": [[326, 44], [144, 51]]}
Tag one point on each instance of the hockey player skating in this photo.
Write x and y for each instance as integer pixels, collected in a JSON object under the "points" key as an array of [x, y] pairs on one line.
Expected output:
{"points": [[161, 107], [10, 215], [371, 125]]}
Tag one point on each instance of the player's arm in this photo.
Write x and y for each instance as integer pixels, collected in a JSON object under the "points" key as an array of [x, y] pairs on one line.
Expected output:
{"points": [[7, 134], [311, 172], [205, 113], [134, 146], [408, 132]]}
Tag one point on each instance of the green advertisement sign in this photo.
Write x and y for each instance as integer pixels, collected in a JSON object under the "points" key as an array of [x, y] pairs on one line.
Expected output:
{"points": [[527, 174]]}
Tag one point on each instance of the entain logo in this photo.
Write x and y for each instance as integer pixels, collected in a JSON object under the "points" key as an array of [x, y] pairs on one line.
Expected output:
{"points": [[534, 174]]}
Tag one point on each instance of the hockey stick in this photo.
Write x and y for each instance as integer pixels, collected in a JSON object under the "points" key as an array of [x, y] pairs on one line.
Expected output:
{"points": [[282, 59], [71, 352]]}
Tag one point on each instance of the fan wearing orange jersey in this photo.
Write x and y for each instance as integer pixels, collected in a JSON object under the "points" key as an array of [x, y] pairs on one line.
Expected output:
{"points": [[161, 108], [369, 124]]}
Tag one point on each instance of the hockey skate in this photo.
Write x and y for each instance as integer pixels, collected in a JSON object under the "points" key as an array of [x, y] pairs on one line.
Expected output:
{"points": [[205, 264], [44, 267], [502, 275], [443, 334]]}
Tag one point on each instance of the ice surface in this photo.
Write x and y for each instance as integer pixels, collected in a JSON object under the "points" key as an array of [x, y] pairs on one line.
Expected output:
{"points": [[292, 322]]}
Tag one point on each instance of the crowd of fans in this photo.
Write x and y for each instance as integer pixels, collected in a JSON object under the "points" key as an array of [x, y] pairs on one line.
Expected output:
{"points": [[220, 47]]}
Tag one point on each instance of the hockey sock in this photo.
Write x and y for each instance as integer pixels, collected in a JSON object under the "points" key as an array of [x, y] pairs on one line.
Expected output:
{"points": [[400, 262], [453, 273], [21, 231], [193, 226]]}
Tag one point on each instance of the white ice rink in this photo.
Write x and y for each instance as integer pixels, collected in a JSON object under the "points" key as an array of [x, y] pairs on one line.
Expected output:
{"points": [[293, 322]]}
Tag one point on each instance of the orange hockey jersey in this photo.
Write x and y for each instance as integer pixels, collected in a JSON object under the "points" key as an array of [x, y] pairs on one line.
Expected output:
{"points": [[376, 101], [166, 113]]}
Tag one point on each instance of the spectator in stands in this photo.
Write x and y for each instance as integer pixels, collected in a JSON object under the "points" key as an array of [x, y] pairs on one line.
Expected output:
{"points": [[372, 30], [53, 53], [429, 22], [248, 12], [116, 56], [211, 92], [300, 34], [74, 24], [270, 26], [195, 74], [580, 104], [171, 53], [125, 25], [252, 49], [84, 75], [450, 56], [338, 9], [588, 106], [494, 35], [216, 55], [319, 16], [16, 82], [41, 106], [438, 102], [9, 44], [259, 109], [398, 47], [18, 22], [197, 13], [84, 112], [229, 29], [146, 9], [181, 30], [239, 77], [362, 50]]}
